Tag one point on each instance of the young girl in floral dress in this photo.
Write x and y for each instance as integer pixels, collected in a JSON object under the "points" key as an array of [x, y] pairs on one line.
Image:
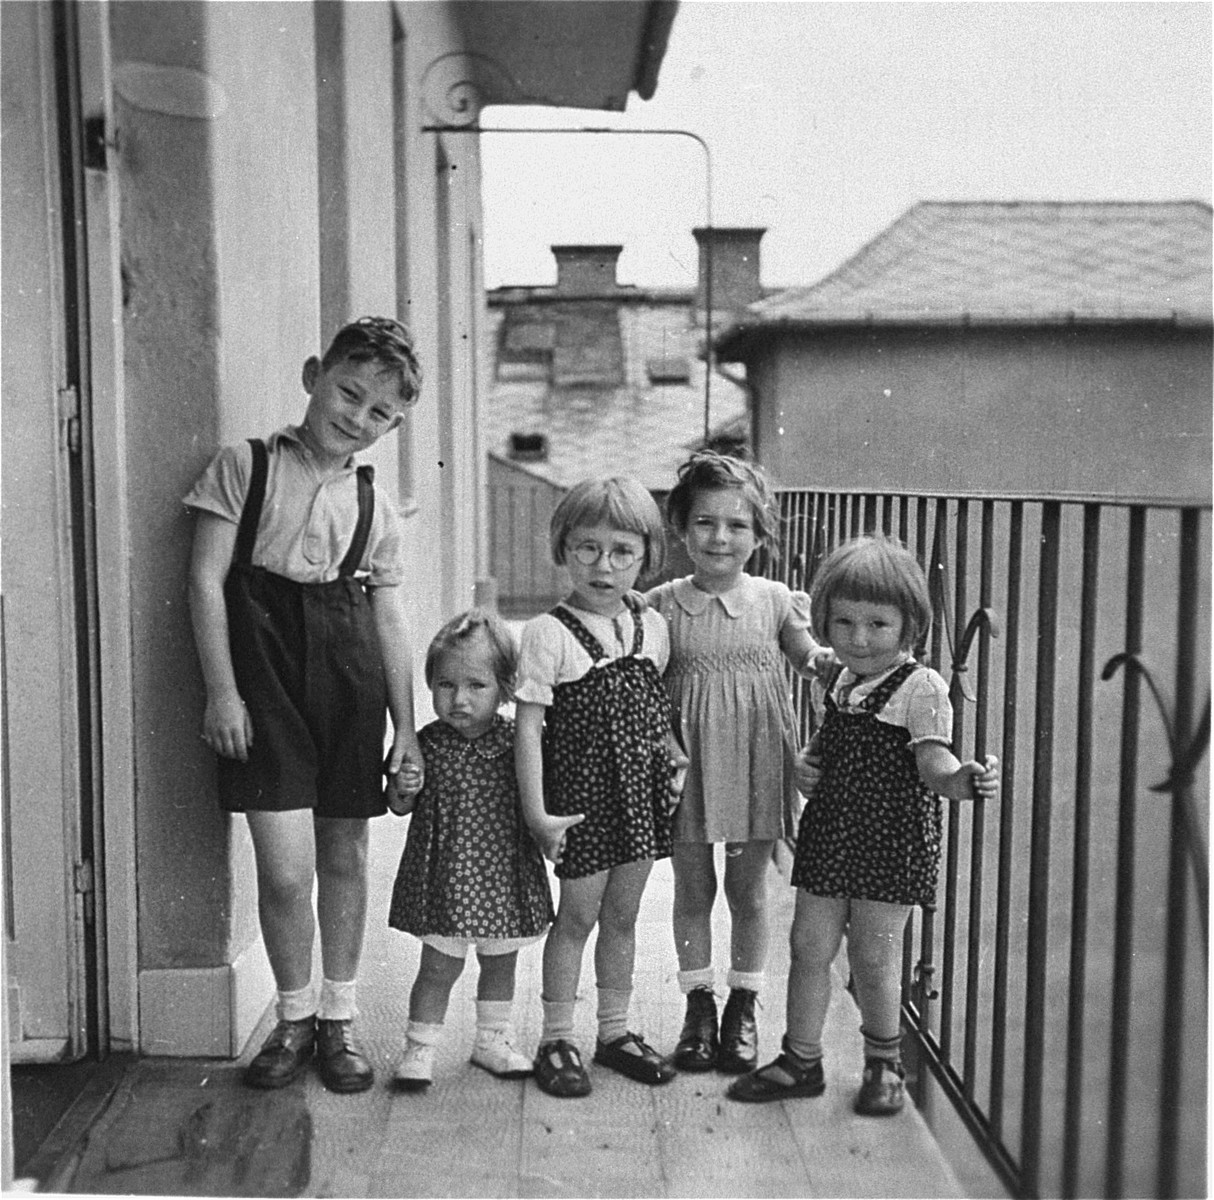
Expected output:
{"points": [[470, 874]]}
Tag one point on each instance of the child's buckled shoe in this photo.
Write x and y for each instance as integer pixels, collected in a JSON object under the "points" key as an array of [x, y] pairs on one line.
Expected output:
{"points": [[642, 1063], [882, 1092], [799, 1079], [558, 1070]]}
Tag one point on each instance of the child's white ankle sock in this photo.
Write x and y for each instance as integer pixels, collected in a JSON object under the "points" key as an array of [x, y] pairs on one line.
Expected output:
{"points": [[613, 1013], [889, 1048], [807, 1052], [337, 1000], [494, 1014], [752, 981], [297, 1005], [424, 1034], [558, 1020], [700, 977]]}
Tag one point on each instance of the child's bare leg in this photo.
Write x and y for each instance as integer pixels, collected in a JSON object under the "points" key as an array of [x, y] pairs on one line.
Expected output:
{"points": [[496, 980], [874, 952], [284, 848], [436, 976], [341, 893], [695, 889], [747, 867], [817, 931], [341, 909], [615, 948], [576, 915]]}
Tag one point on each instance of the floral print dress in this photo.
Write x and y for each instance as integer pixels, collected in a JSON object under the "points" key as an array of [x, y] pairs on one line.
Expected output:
{"points": [[470, 868]]}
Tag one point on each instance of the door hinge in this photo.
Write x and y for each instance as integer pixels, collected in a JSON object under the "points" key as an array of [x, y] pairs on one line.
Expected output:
{"points": [[83, 879], [69, 419]]}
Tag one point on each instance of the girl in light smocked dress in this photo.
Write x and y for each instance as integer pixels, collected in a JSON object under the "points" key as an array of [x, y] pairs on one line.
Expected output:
{"points": [[731, 635]]}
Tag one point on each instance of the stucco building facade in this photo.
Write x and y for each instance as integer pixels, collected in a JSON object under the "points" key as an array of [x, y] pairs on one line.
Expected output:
{"points": [[195, 197]]}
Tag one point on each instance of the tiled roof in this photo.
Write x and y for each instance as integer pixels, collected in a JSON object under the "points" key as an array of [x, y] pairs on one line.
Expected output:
{"points": [[641, 428], [1025, 262]]}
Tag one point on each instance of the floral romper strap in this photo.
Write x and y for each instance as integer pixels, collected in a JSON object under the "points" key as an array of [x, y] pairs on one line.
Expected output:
{"points": [[605, 756]]}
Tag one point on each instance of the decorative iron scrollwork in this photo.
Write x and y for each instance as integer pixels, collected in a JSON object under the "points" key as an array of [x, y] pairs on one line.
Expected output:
{"points": [[454, 88], [986, 618]]}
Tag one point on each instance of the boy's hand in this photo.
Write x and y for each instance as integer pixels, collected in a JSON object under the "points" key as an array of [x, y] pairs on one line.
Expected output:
{"points": [[227, 727], [549, 834], [983, 777], [808, 771], [403, 788]]}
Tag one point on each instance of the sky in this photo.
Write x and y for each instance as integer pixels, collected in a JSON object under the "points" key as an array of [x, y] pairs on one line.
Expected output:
{"points": [[825, 122]]}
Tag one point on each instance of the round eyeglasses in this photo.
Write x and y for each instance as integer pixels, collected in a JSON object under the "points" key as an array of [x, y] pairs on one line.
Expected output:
{"points": [[619, 558]]}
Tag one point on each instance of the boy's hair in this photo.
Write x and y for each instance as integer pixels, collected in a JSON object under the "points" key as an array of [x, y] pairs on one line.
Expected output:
{"points": [[617, 501], [880, 570], [381, 340], [467, 625], [708, 470]]}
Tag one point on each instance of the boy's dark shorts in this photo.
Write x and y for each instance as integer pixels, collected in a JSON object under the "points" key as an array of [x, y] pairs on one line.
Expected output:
{"points": [[310, 670]]}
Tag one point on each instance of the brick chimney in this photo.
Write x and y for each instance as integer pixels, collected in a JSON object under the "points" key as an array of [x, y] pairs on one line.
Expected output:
{"points": [[586, 270], [735, 267]]}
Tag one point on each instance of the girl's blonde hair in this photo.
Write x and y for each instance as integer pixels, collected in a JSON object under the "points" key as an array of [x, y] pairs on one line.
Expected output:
{"points": [[706, 471], [618, 502], [502, 648], [877, 569]]}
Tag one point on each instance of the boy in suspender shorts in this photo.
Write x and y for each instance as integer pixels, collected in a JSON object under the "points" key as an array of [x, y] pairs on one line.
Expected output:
{"points": [[296, 599]]}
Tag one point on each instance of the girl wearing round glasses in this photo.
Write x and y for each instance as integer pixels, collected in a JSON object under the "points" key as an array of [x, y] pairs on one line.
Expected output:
{"points": [[596, 762]]}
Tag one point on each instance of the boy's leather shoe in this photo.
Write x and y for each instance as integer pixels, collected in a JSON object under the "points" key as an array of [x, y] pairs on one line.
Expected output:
{"points": [[697, 1046], [283, 1054], [342, 1066], [739, 1050]]}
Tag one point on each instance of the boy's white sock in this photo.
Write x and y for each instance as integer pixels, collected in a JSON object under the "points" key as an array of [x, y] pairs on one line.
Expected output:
{"points": [[423, 1033], [337, 1000], [297, 1005]]}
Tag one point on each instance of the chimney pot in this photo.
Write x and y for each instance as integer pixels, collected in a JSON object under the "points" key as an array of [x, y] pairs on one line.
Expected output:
{"points": [[734, 255], [586, 270]]}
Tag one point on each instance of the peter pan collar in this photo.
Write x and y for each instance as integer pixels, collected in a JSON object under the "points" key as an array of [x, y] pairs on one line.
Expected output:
{"points": [[694, 602], [497, 740]]}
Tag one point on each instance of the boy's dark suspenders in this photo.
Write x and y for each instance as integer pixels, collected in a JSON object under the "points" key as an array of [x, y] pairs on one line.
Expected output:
{"points": [[250, 515], [366, 510]]}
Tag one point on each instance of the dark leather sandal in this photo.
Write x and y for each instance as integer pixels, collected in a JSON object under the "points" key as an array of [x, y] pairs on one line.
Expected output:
{"points": [[644, 1064], [882, 1091], [559, 1071], [799, 1079]]}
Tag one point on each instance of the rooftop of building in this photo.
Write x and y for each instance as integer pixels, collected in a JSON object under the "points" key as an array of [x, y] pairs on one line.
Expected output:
{"points": [[1021, 262]]}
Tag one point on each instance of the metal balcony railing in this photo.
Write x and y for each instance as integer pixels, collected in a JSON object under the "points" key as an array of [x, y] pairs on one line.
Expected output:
{"points": [[1056, 993]]}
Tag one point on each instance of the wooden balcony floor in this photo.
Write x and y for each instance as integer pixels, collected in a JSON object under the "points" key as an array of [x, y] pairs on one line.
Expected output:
{"points": [[178, 1127]]}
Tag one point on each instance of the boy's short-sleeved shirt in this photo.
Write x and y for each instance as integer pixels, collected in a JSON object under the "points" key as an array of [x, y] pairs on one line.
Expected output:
{"points": [[308, 519]]}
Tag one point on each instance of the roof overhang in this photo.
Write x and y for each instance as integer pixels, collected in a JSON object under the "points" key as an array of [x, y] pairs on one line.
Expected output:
{"points": [[569, 53], [739, 342]]}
